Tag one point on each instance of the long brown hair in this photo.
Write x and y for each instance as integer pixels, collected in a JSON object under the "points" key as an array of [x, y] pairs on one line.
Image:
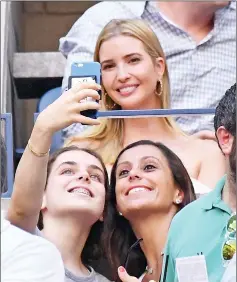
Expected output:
{"points": [[110, 133], [118, 234], [92, 250]]}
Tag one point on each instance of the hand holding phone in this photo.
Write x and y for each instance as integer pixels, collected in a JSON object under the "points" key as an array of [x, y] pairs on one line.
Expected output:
{"points": [[83, 73]]}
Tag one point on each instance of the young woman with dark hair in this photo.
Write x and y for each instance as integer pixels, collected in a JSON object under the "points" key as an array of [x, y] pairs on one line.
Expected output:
{"points": [[149, 185], [68, 188]]}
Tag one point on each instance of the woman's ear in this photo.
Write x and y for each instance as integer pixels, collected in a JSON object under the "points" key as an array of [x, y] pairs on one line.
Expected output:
{"points": [[44, 203], [101, 218], [178, 197], [160, 67]]}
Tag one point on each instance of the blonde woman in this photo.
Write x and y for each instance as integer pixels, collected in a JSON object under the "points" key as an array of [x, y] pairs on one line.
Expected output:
{"points": [[135, 76]]}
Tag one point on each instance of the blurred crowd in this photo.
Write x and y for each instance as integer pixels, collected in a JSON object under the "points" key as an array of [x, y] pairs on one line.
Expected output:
{"points": [[133, 199]]}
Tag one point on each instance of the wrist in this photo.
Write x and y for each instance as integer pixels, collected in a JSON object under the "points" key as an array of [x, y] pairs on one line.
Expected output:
{"points": [[42, 131], [40, 139]]}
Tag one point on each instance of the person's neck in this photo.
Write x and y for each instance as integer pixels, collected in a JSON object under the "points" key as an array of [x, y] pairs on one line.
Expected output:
{"points": [[153, 230], [69, 235], [155, 129], [229, 193], [195, 18]]}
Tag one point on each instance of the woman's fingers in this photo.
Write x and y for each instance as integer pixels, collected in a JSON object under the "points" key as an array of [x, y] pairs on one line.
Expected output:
{"points": [[86, 93], [86, 120], [88, 85], [87, 106], [124, 276]]}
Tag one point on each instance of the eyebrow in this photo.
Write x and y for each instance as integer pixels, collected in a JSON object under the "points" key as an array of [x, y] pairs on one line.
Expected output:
{"points": [[67, 163], [72, 163], [97, 168], [126, 56], [142, 159]]}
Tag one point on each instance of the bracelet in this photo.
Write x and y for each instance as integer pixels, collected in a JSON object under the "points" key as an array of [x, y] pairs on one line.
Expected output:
{"points": [[36, 153]]}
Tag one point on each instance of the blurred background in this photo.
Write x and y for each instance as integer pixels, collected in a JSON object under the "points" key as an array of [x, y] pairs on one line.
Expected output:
{"points": [[30, 61]]}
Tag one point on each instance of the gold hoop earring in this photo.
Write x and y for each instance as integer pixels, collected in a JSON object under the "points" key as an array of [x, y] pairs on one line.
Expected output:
{"points": [[108, 106], [161, 88]]}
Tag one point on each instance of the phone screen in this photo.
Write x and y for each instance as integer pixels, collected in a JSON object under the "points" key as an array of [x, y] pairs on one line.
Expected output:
{"points": [[84, 79], [75, 80]]}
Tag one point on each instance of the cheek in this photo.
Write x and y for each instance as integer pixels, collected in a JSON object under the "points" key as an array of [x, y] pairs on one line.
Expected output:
{"points": [[167, 192], [118, 192], [107, 79], [149, 78]]}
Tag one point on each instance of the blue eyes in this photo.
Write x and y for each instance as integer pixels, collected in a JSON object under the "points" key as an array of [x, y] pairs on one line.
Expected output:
{"points": [[95, 177], [67, 172]]}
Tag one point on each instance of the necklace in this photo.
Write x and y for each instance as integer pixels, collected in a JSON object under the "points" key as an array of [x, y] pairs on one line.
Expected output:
{"points": [[149, 270]]}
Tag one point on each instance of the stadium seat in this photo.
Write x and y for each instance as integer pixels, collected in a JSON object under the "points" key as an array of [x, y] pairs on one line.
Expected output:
{"points": [[48, 98]]}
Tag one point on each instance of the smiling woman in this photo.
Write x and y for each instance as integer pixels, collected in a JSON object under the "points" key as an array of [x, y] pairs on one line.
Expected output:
{"points": [[67, 189], [75, 193], [135, 76], [149, 185]]}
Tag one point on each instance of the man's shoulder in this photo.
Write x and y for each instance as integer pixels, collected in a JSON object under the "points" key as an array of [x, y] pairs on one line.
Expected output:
{"points": [[192, 211], [133, 7], [21, 249], [103, 12], [15, 238]]}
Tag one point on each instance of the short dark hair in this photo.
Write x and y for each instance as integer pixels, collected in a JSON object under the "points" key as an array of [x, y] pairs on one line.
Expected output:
{"points": [[92, 250], [118, 234], [225, 114], [3, 171]]}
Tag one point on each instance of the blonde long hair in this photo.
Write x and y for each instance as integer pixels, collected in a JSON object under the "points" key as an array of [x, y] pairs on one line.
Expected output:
{"points": [[107, 138]]}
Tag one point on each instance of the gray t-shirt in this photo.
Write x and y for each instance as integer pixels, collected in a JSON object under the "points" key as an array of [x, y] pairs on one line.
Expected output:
{"points": [[70, 277], [92, 277]]}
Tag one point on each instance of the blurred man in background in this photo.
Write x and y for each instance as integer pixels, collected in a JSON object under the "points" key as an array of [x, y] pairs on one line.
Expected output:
{"points": [[198, 38]]}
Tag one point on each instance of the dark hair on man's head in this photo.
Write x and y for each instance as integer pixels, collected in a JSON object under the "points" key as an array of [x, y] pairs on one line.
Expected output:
{"points": [[118, 233], [92, 250], [3, 171], [225, 114]]}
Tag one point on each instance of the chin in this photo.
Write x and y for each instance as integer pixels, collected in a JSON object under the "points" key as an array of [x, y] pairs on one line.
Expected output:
{"points": [[132, 105], [82, 210], [139, 207]]}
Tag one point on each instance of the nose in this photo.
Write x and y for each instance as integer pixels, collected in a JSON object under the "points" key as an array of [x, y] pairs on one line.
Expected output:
{"points": [[84, 176], [122, 73], [134, 175]]}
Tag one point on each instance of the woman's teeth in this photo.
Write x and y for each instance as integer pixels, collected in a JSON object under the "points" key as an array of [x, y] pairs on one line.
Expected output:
{"points": [[139, 189], [81, 191], [127, 90]]}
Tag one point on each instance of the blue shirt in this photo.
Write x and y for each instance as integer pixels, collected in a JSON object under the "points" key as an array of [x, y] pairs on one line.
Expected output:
{"points": [[199, 228]]}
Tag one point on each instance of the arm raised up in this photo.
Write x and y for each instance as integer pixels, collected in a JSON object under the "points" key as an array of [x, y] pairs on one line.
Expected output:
{"points": [[31, 174]]}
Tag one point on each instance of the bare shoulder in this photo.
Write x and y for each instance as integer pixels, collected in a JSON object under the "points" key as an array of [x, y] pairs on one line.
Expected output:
{"points": [[205, 147]]}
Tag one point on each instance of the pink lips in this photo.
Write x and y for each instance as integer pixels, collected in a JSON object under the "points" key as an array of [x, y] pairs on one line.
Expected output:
{"points": [[127, 90]]}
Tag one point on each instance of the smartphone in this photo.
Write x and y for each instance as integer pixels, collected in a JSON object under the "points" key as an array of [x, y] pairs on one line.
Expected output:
{"points": [[85, 72]]}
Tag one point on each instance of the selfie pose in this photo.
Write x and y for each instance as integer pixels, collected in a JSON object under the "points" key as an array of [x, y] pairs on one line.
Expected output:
{"points": [[64, 192], [149, 185], [135, 76]]}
